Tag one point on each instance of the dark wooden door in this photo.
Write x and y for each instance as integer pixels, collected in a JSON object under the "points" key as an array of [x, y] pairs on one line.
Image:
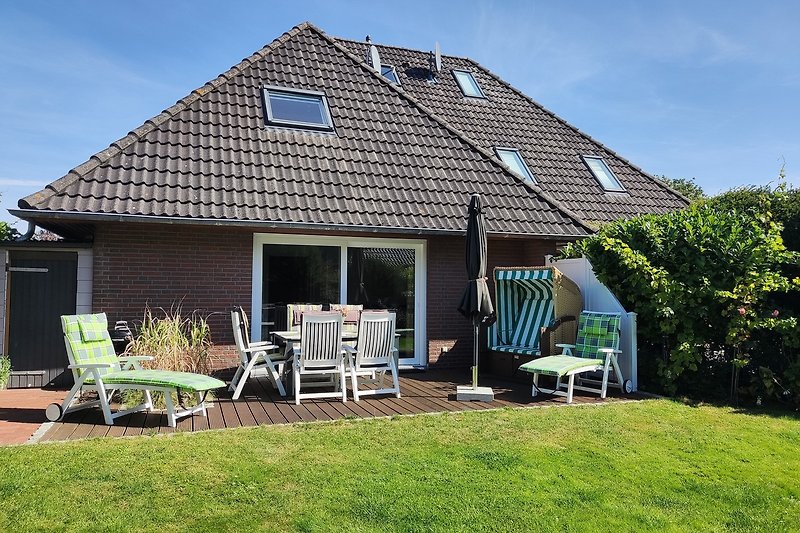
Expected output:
{"points": [[42, 286]]}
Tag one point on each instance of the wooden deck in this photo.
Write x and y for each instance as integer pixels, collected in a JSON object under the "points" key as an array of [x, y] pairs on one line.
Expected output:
{"points": [[422, 392]]}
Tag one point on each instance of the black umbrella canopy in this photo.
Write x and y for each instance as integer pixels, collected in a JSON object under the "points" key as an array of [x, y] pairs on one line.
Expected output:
{"points": [[475, 302]]}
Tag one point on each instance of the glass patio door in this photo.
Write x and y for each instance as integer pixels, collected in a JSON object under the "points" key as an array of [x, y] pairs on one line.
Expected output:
{"points": [[383, 278], [375, 273]]}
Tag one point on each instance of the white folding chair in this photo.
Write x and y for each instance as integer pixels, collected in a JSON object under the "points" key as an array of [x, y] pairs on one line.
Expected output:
{"points": [[320, 354], [374, 355], [255, 359]]}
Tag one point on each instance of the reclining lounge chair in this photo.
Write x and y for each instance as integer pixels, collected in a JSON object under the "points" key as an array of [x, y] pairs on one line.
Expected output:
{"points": [[596, 349], [95, 366]]}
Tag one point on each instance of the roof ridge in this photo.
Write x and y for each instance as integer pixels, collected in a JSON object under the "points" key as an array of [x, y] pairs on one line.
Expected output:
{"points": [[458, 133], [396, 47], [575, 129], [154, 122]]}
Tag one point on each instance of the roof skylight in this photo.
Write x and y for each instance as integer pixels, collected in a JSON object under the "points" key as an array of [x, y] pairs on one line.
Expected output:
{"points": [[389, 72], [468, 84], [513, 159], [293, 107], [603, 174]]}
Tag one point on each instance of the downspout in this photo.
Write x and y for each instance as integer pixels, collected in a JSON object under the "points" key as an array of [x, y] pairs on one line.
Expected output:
{"points": [[28, 234]]}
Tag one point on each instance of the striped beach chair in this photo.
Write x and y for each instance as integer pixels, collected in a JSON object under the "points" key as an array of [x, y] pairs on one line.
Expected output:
{"points": [[531, 300]]}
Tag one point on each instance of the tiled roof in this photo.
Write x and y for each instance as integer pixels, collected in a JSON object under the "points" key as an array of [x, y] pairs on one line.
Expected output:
{"points": [[551, 147], [390, 165]]}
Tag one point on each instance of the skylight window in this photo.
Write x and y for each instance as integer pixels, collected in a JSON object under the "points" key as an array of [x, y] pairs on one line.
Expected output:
{"points": [[513, 159], [389, 72], [468, 84], [603, 174], [292, 107]]}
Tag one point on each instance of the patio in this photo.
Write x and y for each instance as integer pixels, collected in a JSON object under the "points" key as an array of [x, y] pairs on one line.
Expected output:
{"points": [[432, 391]]}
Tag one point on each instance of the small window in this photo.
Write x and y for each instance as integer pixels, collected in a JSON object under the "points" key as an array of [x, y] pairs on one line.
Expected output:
{"points": [[513, 159], [292, 107], [603, 174], [389, 72], [468, 83]]}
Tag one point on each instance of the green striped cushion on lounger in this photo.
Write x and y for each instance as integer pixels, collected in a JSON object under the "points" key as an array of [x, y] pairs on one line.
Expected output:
{"points": [[558, 365], [164, 378]]}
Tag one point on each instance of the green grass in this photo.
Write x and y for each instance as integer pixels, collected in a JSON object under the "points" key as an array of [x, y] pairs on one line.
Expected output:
{"points": [[654, 465]]}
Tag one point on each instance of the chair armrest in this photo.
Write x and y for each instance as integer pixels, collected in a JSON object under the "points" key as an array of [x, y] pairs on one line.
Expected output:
{"points": [[261, 348], [89, 366], [349, 349], [608, 350], [572, 346], [126, 358], [260, 344]]}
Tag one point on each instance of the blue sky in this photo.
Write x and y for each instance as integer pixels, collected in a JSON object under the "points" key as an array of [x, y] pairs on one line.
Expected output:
{"points": [[706, 90]]}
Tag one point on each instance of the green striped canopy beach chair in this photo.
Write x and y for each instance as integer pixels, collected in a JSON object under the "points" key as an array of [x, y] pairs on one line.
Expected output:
{"points": [[95, 366], [596, 349], [530, 299]]}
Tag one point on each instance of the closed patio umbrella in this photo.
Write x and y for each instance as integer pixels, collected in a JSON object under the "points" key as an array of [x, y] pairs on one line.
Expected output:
{"points": [[476, 304]]}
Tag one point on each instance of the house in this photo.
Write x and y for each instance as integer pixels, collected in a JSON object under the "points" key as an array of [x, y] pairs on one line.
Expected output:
{"points": [[327, 170]]}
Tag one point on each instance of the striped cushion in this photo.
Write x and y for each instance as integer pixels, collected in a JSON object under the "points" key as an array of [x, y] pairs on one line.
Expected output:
{"points": [[519, 350], [559, 365]]}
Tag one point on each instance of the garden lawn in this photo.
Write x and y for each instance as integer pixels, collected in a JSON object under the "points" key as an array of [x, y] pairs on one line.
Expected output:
{"points": [[650, 465]]}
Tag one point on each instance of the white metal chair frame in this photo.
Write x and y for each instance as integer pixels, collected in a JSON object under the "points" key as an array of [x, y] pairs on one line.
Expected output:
{"points": [[320, 354], [255, 358], [83, 371], [374, 355]]}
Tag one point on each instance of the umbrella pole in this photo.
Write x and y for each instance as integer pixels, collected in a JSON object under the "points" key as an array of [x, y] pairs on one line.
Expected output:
{"points": [[475, 359]]}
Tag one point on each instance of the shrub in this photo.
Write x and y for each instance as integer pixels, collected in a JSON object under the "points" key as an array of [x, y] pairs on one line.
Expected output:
{"points": [[703, 281], [176, 342], [5, 370]]}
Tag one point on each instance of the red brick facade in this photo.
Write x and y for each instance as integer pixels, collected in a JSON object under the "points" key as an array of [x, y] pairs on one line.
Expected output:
{"points": [[209, 269]]}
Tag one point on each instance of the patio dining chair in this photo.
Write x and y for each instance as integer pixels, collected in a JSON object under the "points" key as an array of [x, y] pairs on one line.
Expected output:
{"points": [[596, 349], [255, 358], [319, 354], [375, 355], [96, 367]]}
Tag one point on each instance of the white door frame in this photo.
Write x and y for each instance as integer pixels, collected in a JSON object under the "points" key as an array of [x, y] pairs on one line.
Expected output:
{"points": [[420, 359]]}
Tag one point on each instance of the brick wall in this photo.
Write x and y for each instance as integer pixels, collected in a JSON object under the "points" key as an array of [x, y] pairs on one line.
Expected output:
{"points": [[209, 269], [447, 329], [203, 268]]}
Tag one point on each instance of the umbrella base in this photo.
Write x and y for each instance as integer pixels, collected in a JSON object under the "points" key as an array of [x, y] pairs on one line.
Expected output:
{"points": [[466, 393]]}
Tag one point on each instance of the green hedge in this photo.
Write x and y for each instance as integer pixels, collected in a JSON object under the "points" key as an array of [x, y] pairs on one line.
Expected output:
{"points": [[714, 286]]}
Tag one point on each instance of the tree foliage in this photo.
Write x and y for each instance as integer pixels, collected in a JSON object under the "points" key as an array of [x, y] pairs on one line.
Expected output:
{"points": [[687, 187], [703, 281]]}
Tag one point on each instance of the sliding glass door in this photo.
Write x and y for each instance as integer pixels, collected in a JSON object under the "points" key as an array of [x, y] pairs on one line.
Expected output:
{"points": [[373, 273]]}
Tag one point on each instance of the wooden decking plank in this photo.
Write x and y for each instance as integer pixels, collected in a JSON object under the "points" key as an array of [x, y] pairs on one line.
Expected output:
{"points": [[253, 401], [330, 410], [229, 413], [285, 409], [246, 417], [276, 416]]}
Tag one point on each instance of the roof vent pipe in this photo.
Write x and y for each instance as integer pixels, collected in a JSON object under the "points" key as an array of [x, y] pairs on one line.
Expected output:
{"points": [[28, 234]]}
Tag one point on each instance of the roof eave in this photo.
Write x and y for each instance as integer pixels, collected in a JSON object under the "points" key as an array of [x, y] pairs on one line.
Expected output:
{"points": [[34, 215]]}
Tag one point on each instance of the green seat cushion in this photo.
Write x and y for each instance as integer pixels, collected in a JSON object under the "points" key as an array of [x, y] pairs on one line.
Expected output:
{"points": [[519, 350], [559, 365], [186, 381]]}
